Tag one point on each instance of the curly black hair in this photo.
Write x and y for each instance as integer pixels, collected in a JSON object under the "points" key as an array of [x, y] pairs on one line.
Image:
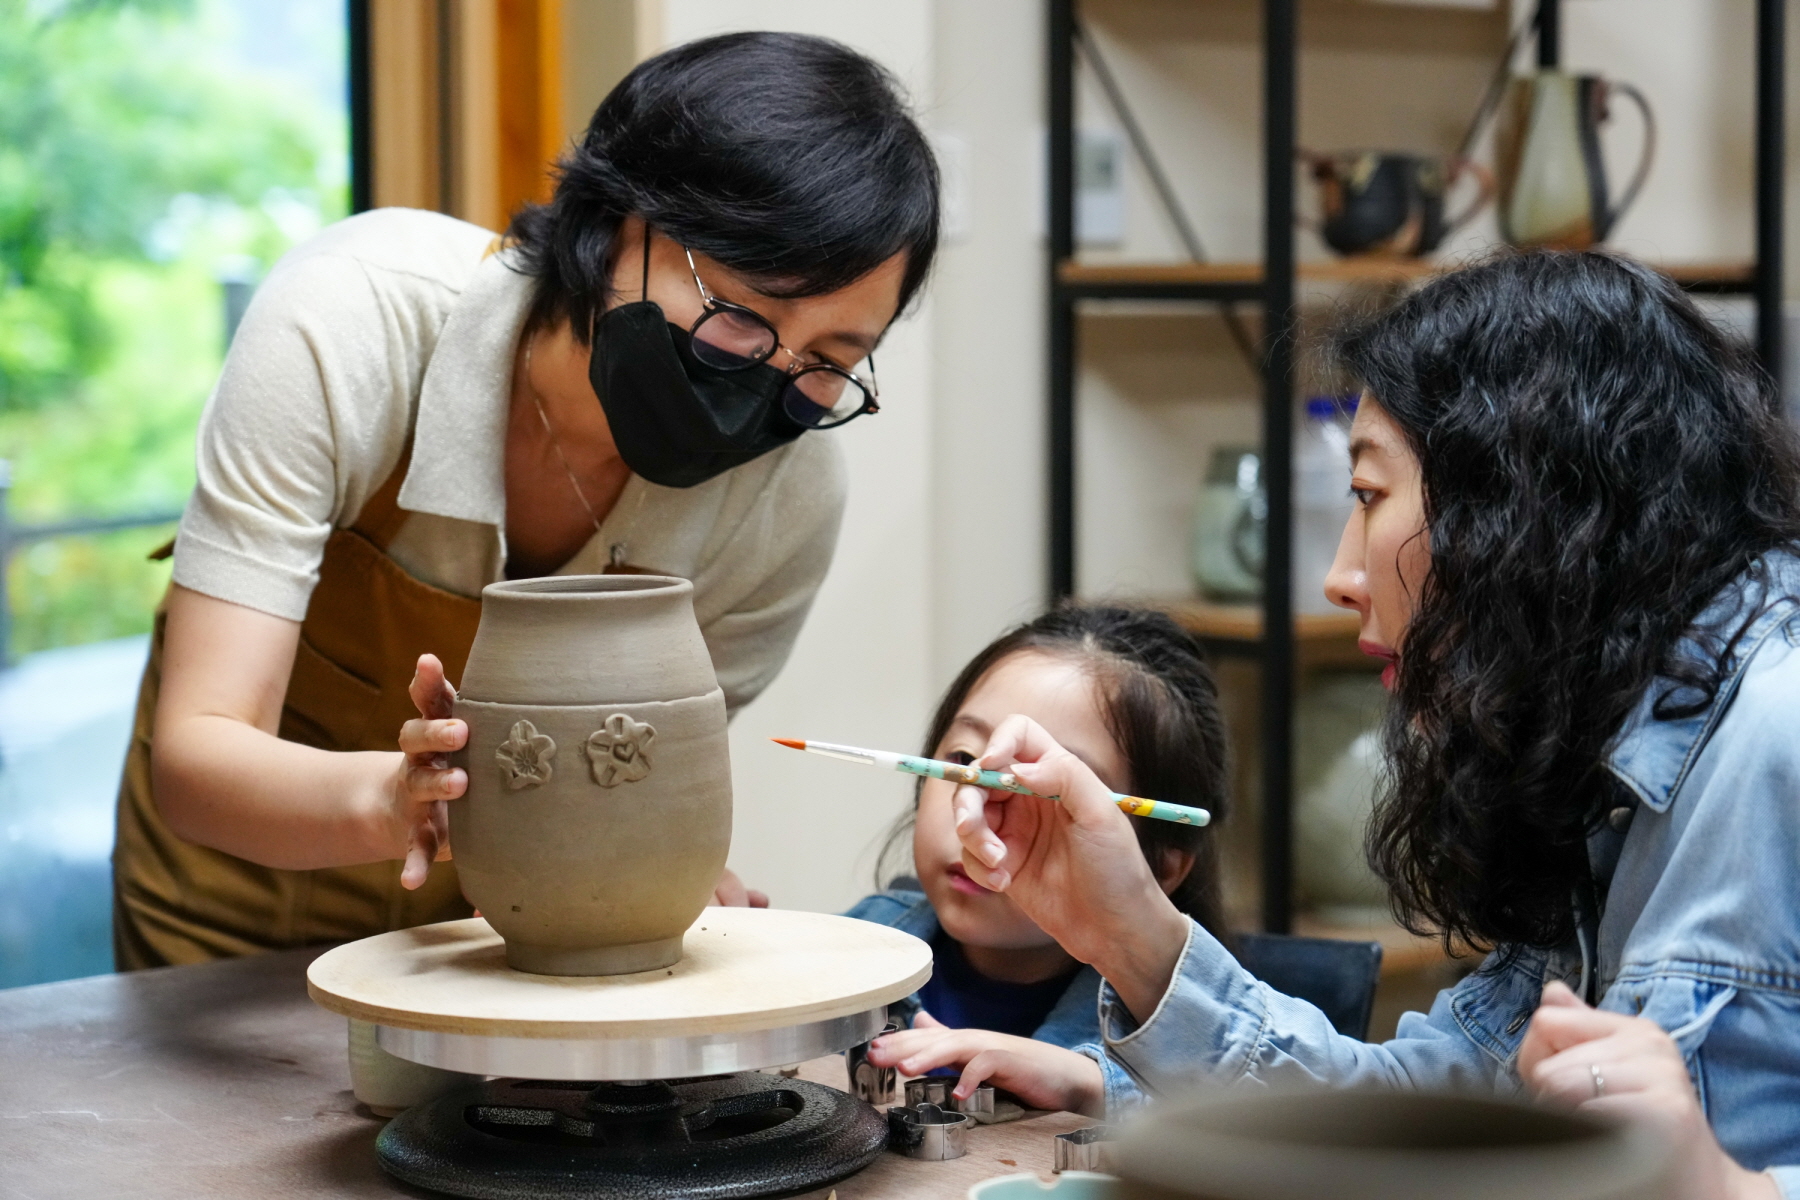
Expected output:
{"points": [[1161, 705], [789, 158], [1599, 461]]}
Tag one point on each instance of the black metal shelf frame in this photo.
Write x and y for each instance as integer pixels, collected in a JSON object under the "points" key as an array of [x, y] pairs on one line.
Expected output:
{"points": [[1275, 294]]}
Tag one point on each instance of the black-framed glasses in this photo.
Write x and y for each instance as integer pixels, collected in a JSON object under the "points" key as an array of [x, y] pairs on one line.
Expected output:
{"points": [[818, 395]]}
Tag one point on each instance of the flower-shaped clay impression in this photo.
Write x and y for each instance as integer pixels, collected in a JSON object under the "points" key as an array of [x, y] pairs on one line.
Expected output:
{"points": [[619, 751], [525, 757]]}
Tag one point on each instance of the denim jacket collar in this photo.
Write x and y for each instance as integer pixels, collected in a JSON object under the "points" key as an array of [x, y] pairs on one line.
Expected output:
{"points": [[1652, 757]]}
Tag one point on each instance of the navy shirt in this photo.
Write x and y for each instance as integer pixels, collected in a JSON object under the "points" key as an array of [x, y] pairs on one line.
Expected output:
{"points": [[963, 998], [1061, 1011]]}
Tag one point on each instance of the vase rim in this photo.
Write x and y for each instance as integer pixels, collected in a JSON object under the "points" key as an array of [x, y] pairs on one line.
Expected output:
{"points": [[583, 587]]}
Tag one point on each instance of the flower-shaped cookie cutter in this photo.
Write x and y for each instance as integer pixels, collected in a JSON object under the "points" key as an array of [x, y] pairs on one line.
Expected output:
{"points": [[526, 757], [619, 751]]}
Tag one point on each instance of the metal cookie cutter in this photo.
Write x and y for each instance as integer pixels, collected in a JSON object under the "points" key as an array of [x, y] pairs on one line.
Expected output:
{"points": [[983, 1106], [931, 1089], [927, 1132], [869, 1083], [1087, 1149]]}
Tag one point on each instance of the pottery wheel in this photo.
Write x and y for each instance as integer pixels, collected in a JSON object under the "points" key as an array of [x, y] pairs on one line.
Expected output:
{"points": [[704, 1139], [754, 988]]}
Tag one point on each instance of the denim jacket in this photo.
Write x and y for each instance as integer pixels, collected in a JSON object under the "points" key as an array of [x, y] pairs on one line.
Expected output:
{"points": [[1700, 929], [1073, 1024]]}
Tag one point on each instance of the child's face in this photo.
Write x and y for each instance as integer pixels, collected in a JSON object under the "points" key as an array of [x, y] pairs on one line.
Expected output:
{"points": [[1057, 694]]}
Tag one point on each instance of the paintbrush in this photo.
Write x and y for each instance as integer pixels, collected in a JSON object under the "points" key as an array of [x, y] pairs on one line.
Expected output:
{"points": [[932, 768]]}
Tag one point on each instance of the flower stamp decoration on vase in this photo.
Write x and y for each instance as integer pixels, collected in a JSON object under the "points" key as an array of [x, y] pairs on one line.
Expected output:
{"points": [[526, 758], [619, 751]]}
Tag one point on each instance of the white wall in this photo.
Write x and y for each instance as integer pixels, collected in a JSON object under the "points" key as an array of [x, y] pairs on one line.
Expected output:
{"points": [[988, 482]]}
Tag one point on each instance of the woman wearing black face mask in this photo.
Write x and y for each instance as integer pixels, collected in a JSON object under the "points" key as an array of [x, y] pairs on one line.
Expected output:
{"points": [[638, 377]]}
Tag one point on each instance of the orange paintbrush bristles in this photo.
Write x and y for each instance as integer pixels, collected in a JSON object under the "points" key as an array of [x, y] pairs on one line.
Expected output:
{"points": [[790, 743]]}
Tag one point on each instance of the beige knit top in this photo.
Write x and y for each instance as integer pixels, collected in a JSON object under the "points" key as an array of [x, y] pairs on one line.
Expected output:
{"points": [[394, 322]]}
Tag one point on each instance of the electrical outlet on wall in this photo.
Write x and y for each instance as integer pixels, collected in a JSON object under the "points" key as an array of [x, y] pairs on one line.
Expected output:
{"points": [[1099, 186]]}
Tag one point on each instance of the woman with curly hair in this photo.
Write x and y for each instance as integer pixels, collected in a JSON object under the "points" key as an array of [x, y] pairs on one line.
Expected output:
{"points": [[1574, 541]]}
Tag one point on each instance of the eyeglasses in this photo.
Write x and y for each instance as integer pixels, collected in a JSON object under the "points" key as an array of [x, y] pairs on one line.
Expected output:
{"points": [[818, 395]]}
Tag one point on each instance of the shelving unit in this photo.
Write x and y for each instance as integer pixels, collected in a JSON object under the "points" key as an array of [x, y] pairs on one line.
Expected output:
{"points": [[1270, 285]]}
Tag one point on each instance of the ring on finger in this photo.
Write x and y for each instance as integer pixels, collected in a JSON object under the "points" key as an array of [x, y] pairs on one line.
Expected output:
{"points": [[1599, 1080]]}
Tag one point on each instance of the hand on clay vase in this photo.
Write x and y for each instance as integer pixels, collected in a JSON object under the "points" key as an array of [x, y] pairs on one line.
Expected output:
{"points": [[1038, 1073], [730, 892], [426, 779], [1609, 1063]]}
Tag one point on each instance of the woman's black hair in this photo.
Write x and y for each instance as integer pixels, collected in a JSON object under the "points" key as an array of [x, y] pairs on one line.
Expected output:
{"points": [[1599, 462], [790, 159], [1161, 705]]}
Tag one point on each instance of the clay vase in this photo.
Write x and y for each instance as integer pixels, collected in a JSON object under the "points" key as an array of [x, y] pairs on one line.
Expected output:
{"points": [[1364, 1144], [598, 813]]}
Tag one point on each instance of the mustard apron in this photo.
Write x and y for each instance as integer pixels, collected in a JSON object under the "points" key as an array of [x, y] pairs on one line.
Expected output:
{"points": [[366, 625]]}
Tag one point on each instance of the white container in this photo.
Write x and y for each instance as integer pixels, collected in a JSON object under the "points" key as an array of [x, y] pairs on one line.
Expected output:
{"points": [[389, 1084], [1321, 498]]}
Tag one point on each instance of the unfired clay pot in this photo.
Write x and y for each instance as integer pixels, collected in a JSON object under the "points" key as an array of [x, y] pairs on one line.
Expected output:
{"points": [[598, 814]]}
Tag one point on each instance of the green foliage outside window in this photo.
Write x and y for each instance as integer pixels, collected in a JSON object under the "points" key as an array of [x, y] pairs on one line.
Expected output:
{"points": [[143, 150]]}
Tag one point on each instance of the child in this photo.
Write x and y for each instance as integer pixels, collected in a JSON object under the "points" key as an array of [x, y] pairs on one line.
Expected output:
{"points": [[1129, 693]]}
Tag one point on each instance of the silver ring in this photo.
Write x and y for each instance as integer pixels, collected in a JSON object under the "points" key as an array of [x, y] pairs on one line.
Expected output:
{"points": [[1599, 1080]]}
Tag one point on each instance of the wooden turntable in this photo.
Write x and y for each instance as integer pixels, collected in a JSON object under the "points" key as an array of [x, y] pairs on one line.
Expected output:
{"points": [[615, 1084]]}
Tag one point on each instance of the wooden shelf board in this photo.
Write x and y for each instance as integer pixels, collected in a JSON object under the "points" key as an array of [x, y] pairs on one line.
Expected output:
{"points": [[1244, 622], [1341, 270]]}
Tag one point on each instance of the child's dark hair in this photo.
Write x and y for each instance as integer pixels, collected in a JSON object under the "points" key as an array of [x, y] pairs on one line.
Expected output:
{"points": [[1161, 705]]}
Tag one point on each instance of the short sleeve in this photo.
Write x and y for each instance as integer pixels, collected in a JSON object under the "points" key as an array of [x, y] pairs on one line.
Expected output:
{"points": [[309, 416]]}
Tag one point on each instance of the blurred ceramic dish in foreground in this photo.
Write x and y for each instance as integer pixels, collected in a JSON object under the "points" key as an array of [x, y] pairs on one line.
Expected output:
{"points": [[1070, 1185], [1362, 1144]]}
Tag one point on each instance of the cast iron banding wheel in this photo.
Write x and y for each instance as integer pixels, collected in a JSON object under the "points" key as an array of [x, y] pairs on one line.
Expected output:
{"points": [[730, 1136]]}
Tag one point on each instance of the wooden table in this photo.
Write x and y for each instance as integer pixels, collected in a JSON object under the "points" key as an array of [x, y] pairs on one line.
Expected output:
{"points": [[225, 1080]]}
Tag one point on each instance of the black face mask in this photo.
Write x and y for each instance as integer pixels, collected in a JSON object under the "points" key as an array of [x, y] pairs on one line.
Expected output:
{"points": [[675, 420]]}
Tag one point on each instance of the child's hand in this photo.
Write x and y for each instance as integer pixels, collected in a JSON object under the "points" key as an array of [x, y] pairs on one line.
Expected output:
{"points": [[1072, 865], [1607, 1062], [730, 892], [1041, 1075]]}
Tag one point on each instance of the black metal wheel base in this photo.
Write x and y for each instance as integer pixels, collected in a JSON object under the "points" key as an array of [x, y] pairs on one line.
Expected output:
{"points": [[727, 1136]]}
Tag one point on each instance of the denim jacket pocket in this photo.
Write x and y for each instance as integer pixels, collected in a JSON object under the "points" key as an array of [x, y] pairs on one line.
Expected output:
{"points": [[1685, 1007]]}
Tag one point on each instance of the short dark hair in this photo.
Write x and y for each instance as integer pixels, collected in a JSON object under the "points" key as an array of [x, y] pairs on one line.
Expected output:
{"points": [[1161, 705], [1599, 461], [788, 158]]}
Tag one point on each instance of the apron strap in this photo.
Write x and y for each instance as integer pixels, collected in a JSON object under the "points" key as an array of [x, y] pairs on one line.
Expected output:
{"points": [[381, 517]]}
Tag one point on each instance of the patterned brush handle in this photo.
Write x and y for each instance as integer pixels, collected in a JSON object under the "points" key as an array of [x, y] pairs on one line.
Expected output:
{"points": [[1005, 781]]}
